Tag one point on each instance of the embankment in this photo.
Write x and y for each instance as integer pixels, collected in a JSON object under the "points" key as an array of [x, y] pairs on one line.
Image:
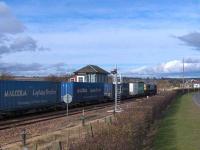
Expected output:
{"points": [[130, 129]]}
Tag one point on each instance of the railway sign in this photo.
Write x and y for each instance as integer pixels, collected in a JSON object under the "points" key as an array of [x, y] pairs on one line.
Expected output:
{"points": [[67, 99]]}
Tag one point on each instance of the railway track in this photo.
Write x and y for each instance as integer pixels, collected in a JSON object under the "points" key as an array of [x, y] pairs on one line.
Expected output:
{"points": [[7, 124], [48, 116]]}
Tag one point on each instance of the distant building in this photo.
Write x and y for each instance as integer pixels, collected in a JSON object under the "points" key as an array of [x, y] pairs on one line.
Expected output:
{"points": [[196, 83], [90, 73]]}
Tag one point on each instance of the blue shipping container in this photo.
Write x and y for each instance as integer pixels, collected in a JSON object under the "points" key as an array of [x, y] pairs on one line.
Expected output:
{"points": [[124, 90], [24, 95], [152, 87], [109, 91], [80, 92]]}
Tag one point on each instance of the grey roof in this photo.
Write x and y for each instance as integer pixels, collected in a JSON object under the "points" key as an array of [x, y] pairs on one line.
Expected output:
{"points": [[91, 69]]}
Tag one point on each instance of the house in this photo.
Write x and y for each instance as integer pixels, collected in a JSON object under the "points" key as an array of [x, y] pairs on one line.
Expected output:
{"points": [[90, 73], [196, 83]]}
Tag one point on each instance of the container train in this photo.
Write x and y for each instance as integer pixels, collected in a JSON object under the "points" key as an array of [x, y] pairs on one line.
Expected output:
{"points": [[23, 96]]}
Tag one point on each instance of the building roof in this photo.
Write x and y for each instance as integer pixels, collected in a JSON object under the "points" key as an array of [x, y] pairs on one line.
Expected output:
{"points": [[91, 69]]}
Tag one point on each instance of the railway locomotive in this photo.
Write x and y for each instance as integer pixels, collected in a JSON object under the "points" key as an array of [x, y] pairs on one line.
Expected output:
{"points": [[19, 97]]}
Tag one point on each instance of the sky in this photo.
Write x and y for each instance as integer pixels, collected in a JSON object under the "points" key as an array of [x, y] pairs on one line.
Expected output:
{"points": [[144, 38]]}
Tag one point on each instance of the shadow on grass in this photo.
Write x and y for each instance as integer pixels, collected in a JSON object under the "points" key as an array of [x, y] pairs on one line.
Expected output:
{"points": [[166, 136]]}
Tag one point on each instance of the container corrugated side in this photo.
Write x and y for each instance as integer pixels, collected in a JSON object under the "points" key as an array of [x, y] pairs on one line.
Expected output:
{"points": [[147, 87], [133, 88], [21, 95], [109, 90], [152, 87], [124, 90], [83, 92], [140, 88]]}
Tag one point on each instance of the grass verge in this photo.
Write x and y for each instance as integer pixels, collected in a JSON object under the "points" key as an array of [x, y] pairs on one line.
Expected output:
{"points": [[180, 129]]}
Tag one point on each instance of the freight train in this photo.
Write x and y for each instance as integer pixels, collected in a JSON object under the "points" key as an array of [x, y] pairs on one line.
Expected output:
{"points": [[19, 97]]}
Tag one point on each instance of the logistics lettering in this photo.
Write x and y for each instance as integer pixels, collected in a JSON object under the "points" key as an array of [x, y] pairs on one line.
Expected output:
{"points": [[21, 93], [82, 90], [95, 90], [39, 93], [15, 93]]}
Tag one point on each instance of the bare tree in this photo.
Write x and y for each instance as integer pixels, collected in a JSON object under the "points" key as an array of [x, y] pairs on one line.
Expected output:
{"points": [[55, 78], [163, 84], [6, 76]]}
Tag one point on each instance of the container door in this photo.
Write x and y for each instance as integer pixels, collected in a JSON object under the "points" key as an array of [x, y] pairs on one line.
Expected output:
{"points": [[66, 91], [131, 88]]}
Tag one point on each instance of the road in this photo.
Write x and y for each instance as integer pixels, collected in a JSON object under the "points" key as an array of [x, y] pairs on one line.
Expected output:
{"points": [[196, 99]]}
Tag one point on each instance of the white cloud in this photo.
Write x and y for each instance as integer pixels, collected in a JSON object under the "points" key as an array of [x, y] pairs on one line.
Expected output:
{"points": [[10, 44], [170, 67], [12, 34], [192, 39], [35, 68], [8, 22], [192, 60]]}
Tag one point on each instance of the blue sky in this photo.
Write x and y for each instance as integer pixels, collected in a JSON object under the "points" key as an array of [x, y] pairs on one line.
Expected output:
{"points": [[143, 37]]}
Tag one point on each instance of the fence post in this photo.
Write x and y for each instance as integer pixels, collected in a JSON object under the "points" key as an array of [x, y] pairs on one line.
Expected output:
{"points": [[35, 147], [67, 140], [83, 118], [110, 119], [60, 145], [24, 136], [79, 132], [114, 113], [91, 130]]}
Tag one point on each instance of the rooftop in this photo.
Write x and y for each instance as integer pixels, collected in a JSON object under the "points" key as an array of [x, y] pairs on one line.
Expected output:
{"points": [[92, 69]]}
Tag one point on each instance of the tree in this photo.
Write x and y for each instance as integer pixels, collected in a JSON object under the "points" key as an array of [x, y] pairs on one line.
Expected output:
{"points": [[55, 78], [163, 84], [6, 76]]}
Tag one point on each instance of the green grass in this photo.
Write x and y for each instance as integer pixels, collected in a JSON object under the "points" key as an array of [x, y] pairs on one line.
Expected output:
{"points": [[180, 128]]}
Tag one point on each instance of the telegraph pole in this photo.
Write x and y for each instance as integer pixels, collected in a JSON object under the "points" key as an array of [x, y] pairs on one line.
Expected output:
{"points": [[183, 75], [116, 82]]}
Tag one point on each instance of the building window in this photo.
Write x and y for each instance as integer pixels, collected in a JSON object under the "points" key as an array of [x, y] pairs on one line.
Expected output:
{"points": [[80, 79], [95, 78], [87, 78], [72, 80]]}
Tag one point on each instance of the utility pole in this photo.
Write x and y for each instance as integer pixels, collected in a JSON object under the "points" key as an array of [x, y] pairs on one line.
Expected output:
{"points": [[183, 75], [116, 83]]}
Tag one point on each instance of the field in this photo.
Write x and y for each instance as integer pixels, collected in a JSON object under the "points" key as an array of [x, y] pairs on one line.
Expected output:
{"points": [[180, 128]]}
